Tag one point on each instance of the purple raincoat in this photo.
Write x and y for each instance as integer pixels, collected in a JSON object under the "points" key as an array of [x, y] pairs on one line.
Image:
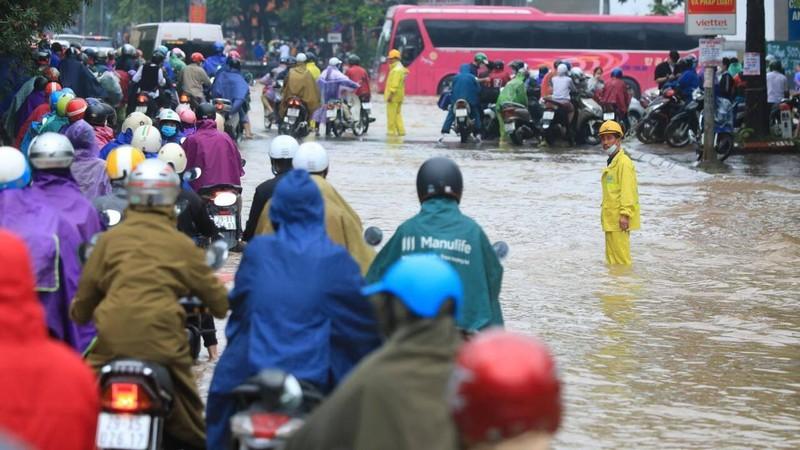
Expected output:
{"points": [[331, 82], [215, 154], [32, 102], [88, 169], [53, 244]]}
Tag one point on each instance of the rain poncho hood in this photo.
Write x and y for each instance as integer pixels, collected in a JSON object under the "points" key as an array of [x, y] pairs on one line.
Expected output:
{"points": [[296, 305], [75, 75], [88, 169], [124, 138], [300, 83], [215, 154], [229, 83], [19, 98], [34, 367], [214, 63], [466, 86]]}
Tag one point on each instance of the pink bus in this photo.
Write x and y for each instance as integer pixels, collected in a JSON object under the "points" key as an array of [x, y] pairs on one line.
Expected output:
{"points": [[435, 40]]}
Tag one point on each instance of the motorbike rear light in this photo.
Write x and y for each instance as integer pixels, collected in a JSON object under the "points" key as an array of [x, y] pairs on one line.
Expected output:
{"points": [[142, 98], [294, 102], [126, 397], [509, 113], [224, 199], [786, 107], [219, 106], [259, 425], [184, 98], [669, 93]]}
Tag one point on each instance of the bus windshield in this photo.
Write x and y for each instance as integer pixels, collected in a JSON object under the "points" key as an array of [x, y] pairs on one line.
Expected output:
{"points": [[383, 39]]}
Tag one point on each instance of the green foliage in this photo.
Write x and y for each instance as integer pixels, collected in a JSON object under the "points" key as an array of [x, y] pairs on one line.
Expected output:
{"points": [[130, 12], [21, 21], [662, 7]]}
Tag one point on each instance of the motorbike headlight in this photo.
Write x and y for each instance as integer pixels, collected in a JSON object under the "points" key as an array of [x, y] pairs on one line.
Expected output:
{"points": [[224, 199]]}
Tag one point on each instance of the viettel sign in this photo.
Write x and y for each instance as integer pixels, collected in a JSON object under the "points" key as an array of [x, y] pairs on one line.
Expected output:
{"points": [[710, 17]]}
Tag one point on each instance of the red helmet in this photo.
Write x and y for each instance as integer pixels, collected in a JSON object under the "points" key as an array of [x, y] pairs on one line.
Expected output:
{"points": [[51, 73], [76, 108], [51, 87], [504, 385], [198, 57], [187, 116]]}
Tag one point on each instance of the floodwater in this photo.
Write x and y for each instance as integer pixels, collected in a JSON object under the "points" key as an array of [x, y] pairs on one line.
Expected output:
{"points": [[696, 346]]}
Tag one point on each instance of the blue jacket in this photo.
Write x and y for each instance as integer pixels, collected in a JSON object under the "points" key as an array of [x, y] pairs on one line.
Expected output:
{"points": [[466, 86], [686, 83], [229, 83], [214, 63], [123, 138], [296, 305]]}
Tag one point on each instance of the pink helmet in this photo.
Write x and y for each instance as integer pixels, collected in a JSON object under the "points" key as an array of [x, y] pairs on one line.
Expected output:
{"points": [[188, 116]]}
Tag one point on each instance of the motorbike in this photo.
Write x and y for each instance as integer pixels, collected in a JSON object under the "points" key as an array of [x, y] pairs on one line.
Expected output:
{"points": [[295, 123], [683, 129], [723, 130], [586, 122], [145, 104], [364, 118], [233, 126], [659, 112], [518, 122], [336, 118], [272, 99], [270, 406], [224, 206], [464, 125], [792, 105]]}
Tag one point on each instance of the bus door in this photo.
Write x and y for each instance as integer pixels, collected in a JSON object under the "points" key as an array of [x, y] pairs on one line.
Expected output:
{"points": [[408, 40]]}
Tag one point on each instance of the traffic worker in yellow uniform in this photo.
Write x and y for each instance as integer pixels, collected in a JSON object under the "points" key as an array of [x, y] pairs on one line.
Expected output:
{"points": [[394, 93], [620, 207]]}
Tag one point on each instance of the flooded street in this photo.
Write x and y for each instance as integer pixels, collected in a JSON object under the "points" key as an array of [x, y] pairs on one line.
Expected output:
{"points": [[696, 346]]}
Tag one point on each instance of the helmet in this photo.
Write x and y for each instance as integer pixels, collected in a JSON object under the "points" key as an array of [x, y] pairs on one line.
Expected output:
{"points": [[234, 55], [206, 111], [499, 65], [135, 120], [219, 47], [283, 147], [173, 153], [616, 73], [611, 127], [111, 115], [63, 101], [516, 65], [504, 385], [51, 87], [162, 49], [439, 177], [122, 160], [147, 139], [311, 157], [39, 83], [96, 114], [51, 73], [576, 72], [178, 53], [187, 116], [198, 57], [481, 58], [423, 282], [15, 172], [128, 50], [54, 97], [153, 183], [182, 107], [234, 63], [291, 60], [393, 54], [167, 114], [301, 57], [76, 108], [91, 53], [334, 61], [51, 151], [562, 69], [42, 55], [354, 60], [311, 56], [157, 57]]}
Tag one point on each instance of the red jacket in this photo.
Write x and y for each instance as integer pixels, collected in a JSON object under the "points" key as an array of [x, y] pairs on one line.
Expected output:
{"points": [[499, 78], [616, 93], [360, 76], [35, 116], [50, 399], [103, 135]]}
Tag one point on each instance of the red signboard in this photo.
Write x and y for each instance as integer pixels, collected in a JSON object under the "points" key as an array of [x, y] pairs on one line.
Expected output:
{"points": [[711, 6]]}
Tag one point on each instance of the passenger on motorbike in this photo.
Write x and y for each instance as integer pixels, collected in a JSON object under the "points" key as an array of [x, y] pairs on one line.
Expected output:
{"points": [[332, 82], [151, 80], [342, 222], [441, 227], [78, 77], [216, 61], [147, 139], [296, 305], [188, 122], [563, 88], [230, 84], [169, 124], [55, 121], [300, 83], [88, 169], [194, 79], [311, 64], [513, 92], [213, 152], [394, 399], [120, 163], [616, 93], [480, 66], [281, 151], [357, 73], [504, 393], [97, 116], [125, 136], [176, 60], [687, 79], [466, 87], [131, 284]]}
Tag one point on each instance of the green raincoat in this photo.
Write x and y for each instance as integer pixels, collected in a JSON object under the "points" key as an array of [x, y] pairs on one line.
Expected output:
{"points": [[514, 92]]}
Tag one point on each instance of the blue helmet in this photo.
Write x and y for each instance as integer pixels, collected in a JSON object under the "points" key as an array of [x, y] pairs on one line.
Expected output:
{"points": [[422, 282], [15, 172], [219, 47], [616, 73]]}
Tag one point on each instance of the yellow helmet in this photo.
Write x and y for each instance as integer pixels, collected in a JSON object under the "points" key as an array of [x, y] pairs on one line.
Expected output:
{"points": [[393, 54], [611, 127], [122, 160], [61, 105]]}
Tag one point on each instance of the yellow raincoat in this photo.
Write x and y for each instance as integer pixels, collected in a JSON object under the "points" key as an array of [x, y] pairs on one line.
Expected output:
{"points": [[620, 197], [394, 94], [299, 82], [312, 67], [341, 221]]}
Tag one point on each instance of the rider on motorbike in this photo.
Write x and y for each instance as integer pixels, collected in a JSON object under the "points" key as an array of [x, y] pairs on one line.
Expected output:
{"points": [[359, 75], [441, 227], [311, 64], [230, 84], [213, 152], [151, 80], [616, 93], [216, 61], [514, 91], [394, 399], [131, 284], [331, 83], [88, 168], [194, 79], [97, 116], [314, 325], [169, 124], [125, 136], [300, 83], [465, 87]]}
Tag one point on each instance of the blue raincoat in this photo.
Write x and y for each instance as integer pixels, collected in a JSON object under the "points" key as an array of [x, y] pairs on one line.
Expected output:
{"points": [[296, 305], [465, 86], [229, 83], [214, 63], [124, 138]]}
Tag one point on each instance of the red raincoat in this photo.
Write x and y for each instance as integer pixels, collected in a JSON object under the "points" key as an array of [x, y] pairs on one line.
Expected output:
{"points": [[616, 93], [50, 398], [35, 116]]}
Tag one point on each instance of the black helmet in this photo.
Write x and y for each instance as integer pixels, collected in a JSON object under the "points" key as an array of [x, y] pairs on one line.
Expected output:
{"points": [[39, 83], [206, 111], [499, 65], [354, 60], [91, 53], [111, 115], [515, 65], [157, 58], [235, 63], [439, 177], [96, 114], [311, 57]]}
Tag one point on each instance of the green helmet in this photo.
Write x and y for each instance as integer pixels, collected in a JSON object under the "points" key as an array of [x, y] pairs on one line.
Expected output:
{"points": [[481, 58]]}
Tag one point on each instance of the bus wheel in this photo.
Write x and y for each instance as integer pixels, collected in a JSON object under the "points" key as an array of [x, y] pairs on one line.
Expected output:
{"points": [[633, 85], [445, 84]]}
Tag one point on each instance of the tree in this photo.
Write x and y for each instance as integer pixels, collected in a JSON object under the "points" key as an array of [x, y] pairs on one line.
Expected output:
{"points": [[662, 7], [22, 22]]}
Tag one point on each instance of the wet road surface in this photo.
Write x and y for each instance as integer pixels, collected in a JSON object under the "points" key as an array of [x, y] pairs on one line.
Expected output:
{"points": [[697, 345]]}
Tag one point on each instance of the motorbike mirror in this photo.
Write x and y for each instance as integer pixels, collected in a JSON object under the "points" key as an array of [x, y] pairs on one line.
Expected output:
{"points": [[192, 174], [85, 249], [373, 236], [217, 254], [500, 249], [112, 217], [244, 161]]}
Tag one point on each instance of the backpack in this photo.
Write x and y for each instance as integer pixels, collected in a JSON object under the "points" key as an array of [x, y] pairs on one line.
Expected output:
{"points": [[445, 100]]}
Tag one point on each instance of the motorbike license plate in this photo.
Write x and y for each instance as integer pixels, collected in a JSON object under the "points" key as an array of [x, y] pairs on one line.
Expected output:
{"points": [[510, 127], [225, 222], [141, 109], [293, 112], [461, 113], [548, 115], [608, 116], [330, 114], [366, 106], [123, 431]]}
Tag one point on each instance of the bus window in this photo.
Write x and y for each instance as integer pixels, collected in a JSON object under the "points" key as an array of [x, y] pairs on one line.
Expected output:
{"points": [[662, 36], [383, 40], [619, 36], [408, 40]]}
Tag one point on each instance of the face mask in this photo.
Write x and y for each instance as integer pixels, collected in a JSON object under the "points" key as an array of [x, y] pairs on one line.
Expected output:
{"points": [[168, 131], [612, 149]]}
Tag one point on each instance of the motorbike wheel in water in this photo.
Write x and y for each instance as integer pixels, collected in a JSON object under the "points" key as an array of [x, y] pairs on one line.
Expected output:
{"points": [[724, 145], [633, 121], [516, 137], [647, 132], [360, 126], [592, 132], [677, 134]]}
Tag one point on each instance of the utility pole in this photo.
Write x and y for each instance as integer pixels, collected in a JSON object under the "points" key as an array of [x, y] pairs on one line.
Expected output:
{"points": [[756, 92], [709, 118], [162, 11]]}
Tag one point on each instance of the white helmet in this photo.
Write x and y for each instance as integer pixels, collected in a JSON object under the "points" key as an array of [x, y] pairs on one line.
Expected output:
{"points": [[334, 61], [147, 139], [576, 72], [153, 183], [135, 120], [168, 114], [283, 147], [178, 53], [51, 151], [301, 57], [311, 157], [562, 69], [15, 173], [173, 153]]}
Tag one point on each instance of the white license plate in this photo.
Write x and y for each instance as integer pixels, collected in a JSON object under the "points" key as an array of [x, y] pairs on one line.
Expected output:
{"points": [[510, 127], [225, 222], [366, 106], [608, 116], [548, 115], [141, 109], [330, 114], [123, 431], [461, 113], [293, 112]]}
